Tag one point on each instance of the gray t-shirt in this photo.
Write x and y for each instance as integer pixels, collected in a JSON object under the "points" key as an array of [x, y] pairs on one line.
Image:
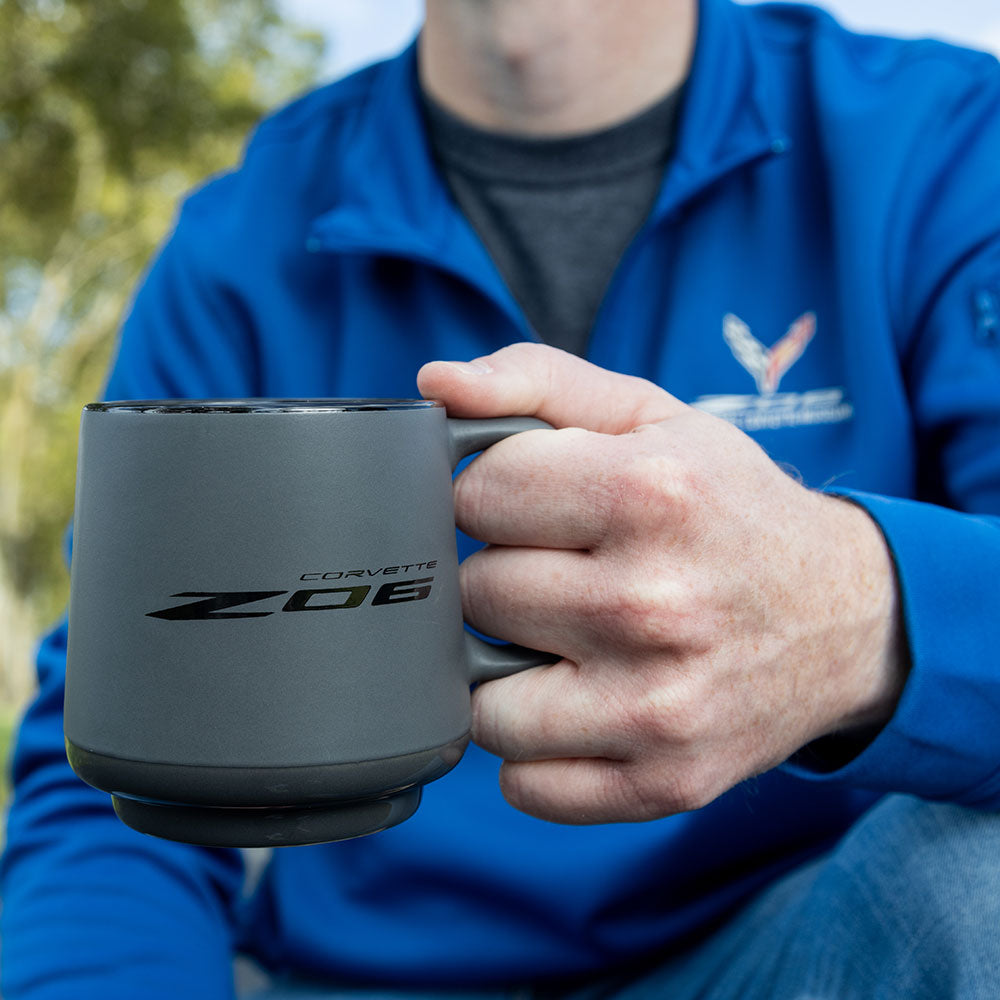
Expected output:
{"points": [[556, 214]]}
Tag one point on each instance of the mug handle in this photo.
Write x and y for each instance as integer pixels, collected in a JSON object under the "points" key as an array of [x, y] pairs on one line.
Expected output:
{"points": [[486, 660]]}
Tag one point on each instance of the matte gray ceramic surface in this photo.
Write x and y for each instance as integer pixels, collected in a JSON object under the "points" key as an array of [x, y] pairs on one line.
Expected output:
{"points": [[266, 642]]}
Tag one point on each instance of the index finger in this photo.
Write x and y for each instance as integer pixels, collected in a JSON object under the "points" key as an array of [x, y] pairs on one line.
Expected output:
{"points": [[539, 381]]}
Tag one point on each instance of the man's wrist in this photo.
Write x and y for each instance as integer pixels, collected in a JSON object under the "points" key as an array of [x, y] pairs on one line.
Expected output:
{"points": [[869, 589]]}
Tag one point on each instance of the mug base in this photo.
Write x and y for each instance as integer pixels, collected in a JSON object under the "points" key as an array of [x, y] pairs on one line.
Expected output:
{"points": [[236, 826]]}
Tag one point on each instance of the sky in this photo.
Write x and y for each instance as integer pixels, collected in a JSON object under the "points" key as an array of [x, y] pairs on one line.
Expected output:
{"points": [[363, 30]]}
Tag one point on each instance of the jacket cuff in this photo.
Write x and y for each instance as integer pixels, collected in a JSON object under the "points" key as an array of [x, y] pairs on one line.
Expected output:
{"points": [[943, 740]]}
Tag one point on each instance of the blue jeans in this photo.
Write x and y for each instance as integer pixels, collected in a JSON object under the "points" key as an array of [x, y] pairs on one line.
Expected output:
{"points": [[907, 907]]}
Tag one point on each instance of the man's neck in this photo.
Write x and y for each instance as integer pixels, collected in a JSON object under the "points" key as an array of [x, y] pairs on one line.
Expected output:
{"points": [[554, 67]]}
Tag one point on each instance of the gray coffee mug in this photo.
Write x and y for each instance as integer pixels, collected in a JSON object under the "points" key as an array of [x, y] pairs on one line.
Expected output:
{"points": [[266, 644]]}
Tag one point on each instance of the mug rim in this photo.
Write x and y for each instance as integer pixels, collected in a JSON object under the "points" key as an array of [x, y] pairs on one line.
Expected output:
{"points": [[262, 405]]}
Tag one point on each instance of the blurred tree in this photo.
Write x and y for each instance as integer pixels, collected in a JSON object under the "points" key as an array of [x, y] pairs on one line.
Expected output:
{"points": [[109, 111]]}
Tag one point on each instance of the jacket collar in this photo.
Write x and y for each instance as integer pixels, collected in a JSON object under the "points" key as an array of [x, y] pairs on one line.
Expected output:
{"points": [[395, 201], [729, 117]]}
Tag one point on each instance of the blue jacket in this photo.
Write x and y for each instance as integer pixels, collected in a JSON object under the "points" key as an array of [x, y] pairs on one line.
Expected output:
{"points": [[822, 267]]}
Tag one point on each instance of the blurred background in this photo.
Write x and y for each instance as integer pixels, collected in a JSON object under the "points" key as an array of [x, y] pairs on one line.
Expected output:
{"points": [[109, 111]]}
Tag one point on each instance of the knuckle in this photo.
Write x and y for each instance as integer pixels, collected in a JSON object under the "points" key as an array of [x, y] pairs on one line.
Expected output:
{"points": [[478, 603], [471, 492], [657, 610], [686, 792], [657, 793], [535, 790], [512, 785], [492, 728], [484, 726], [505, 722], [650, 491], [671, 716], [648, 795], [520, 352], [641, 480], [640, 612]]}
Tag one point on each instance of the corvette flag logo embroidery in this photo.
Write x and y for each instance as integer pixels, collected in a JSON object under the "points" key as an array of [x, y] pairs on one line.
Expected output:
{"points": [[770, 409], [767, 365]]}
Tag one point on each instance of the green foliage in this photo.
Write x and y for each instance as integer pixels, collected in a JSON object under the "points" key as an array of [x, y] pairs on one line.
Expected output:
{"points": [[109, 111], [7, 721], [160, 85]]}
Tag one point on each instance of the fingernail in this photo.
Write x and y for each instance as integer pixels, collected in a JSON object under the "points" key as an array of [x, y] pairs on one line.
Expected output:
{"points": [[476, 367]]}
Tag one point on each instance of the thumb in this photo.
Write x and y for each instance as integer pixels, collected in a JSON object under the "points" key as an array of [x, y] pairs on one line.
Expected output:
{"points": [[534, 380]]}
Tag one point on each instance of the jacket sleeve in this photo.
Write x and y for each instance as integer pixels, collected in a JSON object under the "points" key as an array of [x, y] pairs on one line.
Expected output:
{"points": [[91, 908], [943, 741]]}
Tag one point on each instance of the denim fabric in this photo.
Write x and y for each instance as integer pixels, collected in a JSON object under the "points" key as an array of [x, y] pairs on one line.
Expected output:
{"points": [[907, 907]]}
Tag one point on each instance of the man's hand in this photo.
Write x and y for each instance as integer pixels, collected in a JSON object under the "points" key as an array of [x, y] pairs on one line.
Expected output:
{"points": [[714, 615]]}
